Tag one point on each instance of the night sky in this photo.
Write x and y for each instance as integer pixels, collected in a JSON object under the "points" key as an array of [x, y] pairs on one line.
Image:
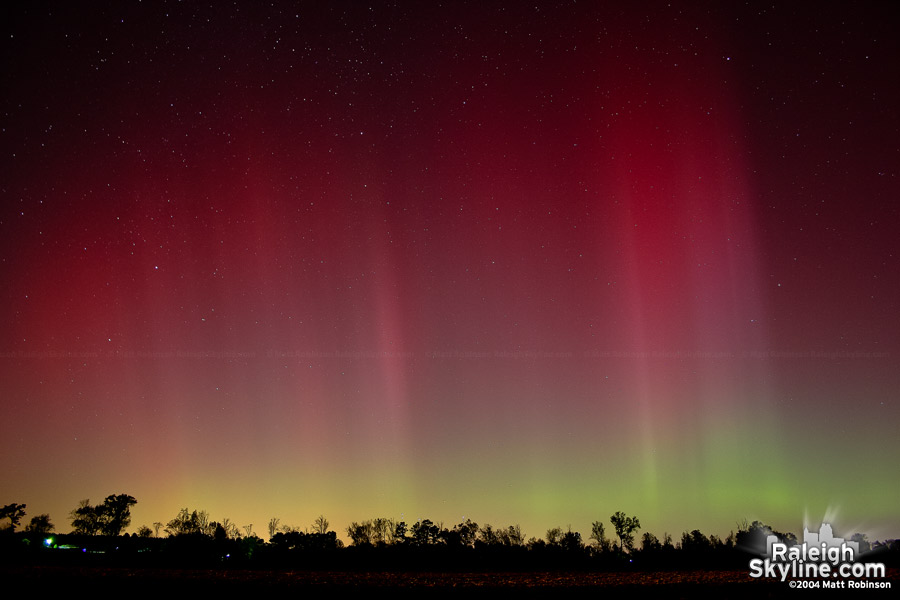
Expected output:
{"points": [[516, 262]]}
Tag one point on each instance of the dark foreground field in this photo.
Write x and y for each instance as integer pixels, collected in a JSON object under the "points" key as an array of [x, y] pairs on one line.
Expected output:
{"points": [[681, 584]]}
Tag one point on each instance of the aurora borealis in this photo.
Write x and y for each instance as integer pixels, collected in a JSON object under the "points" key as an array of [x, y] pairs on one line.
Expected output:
{"points": [[518, 262]]}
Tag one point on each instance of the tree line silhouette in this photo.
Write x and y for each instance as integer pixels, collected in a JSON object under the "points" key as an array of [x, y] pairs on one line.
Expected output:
{"points": [[191, 538]]}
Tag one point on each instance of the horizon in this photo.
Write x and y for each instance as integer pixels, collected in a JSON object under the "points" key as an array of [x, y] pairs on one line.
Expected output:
{"points": [[341, 530], [524, 264]]}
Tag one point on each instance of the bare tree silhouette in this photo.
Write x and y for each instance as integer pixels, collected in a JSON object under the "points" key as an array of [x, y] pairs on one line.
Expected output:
{"points": [[598, 534], [115, 513], [625, 528], [85, 518], [320, 525], [274, 522], [14, 512], [40, 525]]}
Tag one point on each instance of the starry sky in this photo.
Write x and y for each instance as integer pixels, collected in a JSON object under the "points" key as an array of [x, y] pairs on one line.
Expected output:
{"points": [[516, 262]]}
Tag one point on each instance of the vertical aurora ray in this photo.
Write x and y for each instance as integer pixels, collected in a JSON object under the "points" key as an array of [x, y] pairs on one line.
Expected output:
{"points": [[695, 309]]}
